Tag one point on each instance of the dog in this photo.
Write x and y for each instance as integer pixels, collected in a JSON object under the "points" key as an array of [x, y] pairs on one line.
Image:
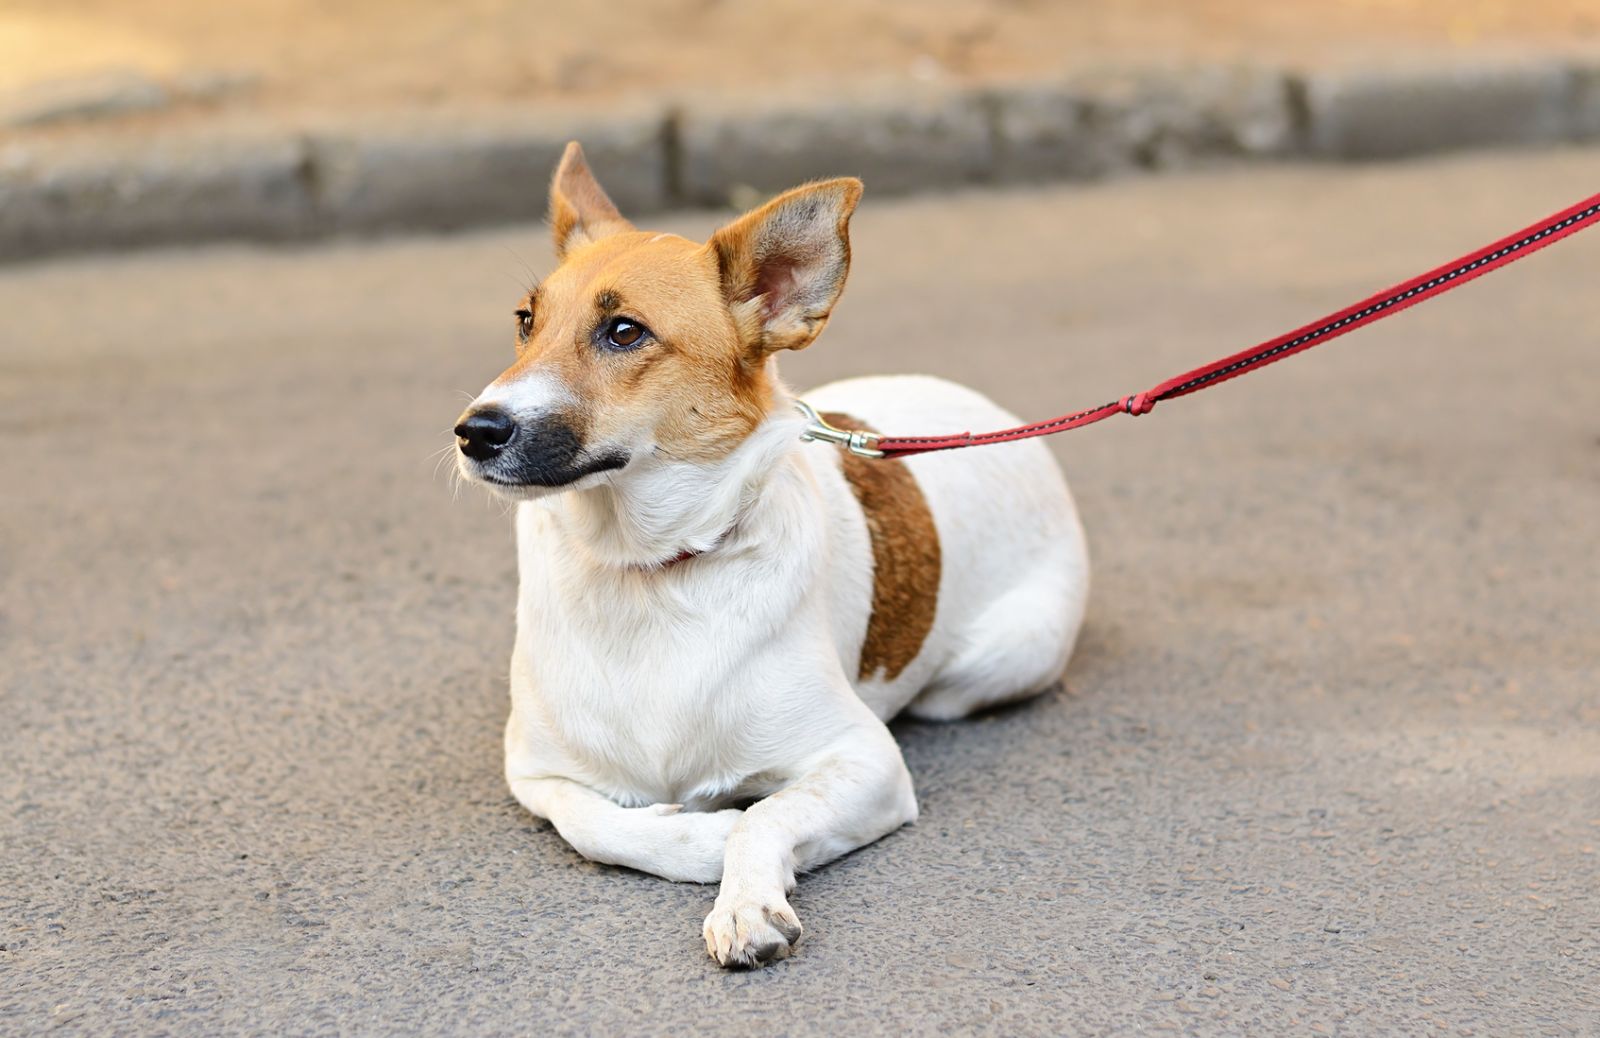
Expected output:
{"points": [[716, 620]]}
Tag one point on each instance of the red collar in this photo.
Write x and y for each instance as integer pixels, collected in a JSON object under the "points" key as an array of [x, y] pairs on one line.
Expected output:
{"points": [[689, 553], [683, 556]]}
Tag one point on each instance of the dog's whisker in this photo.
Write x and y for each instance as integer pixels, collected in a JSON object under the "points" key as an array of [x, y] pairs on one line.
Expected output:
{"points": [[442, 455], [440, 460], [533, 278]]}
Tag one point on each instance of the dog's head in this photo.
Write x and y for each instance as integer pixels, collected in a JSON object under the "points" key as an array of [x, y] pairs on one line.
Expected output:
{"points": [[644, 344]]}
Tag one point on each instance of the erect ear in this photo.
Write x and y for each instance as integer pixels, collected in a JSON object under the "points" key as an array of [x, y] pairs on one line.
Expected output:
{"points": [[784, 265], [580, 212]]}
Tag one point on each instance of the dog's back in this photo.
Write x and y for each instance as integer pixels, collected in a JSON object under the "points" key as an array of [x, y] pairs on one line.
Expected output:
{"points": [[978, 572]]}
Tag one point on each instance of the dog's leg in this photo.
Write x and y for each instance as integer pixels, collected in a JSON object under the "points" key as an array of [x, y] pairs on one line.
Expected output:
{"points": [[686, 846], [855, 793]]}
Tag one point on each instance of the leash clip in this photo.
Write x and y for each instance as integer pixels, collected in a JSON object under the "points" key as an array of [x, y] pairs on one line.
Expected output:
{"points": [[854, 440]]}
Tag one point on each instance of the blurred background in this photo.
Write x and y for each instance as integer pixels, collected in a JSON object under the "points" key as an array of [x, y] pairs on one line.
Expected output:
{"points": [[186, 58], [150, 62], [128, 124]]}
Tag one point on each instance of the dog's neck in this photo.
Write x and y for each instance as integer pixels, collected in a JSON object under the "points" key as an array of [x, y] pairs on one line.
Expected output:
{"points": [[662, 510]]}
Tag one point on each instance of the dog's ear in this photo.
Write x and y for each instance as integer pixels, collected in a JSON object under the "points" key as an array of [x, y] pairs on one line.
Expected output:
{"points": [[580, 212], [783, 265]]}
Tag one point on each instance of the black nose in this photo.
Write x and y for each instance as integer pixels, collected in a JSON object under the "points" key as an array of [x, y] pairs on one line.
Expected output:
{"points": [[483, 434]]}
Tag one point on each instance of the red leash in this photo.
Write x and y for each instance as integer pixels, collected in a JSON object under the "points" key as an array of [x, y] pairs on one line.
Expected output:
{"points": [[1374, 308]]}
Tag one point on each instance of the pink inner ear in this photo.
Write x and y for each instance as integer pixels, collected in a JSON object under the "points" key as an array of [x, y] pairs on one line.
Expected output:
{"points": [[776, 284]]}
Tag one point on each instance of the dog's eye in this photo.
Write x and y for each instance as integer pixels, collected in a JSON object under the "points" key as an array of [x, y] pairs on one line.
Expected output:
{"points": [[524, 318], [623, 334]]}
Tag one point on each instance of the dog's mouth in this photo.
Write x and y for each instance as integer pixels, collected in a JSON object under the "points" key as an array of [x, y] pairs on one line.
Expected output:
{"points": [[523, 477], [530, 476]]}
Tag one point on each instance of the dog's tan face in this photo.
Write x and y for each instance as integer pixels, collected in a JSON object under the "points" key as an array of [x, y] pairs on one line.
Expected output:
{"points": [[644, 343]]}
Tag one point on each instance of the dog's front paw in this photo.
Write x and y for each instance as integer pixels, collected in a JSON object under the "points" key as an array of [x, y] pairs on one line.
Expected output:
{"points": [[751, 933]]}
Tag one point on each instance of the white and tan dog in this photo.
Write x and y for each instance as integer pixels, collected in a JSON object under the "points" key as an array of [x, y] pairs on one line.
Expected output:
{"points": [[716, 620]]}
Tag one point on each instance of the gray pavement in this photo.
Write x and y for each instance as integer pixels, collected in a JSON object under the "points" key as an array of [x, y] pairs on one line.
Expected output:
{"points": [[1328, 760]]}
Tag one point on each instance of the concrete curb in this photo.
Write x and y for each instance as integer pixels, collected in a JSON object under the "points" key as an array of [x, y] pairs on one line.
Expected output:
{"points": [[179, 188], [441, 173], [464, 169], [895, 142], [1389, 115]]}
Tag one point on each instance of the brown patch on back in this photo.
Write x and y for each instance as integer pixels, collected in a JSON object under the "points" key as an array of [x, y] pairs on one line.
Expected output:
{"points": [[905, 557]]}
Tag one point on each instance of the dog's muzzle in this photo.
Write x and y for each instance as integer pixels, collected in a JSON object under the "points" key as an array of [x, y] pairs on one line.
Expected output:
{"points": [[538, 452]]}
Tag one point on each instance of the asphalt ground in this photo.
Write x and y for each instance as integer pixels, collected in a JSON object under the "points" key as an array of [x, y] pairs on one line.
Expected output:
{"points": [[1327, 761]]}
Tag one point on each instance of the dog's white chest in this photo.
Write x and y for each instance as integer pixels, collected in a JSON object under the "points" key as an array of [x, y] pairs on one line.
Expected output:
{"points": [[645, 741], [644, 693]]}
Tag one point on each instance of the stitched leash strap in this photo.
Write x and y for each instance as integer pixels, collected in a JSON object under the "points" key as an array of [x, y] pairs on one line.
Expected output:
{"points": [[1374, 308]]}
